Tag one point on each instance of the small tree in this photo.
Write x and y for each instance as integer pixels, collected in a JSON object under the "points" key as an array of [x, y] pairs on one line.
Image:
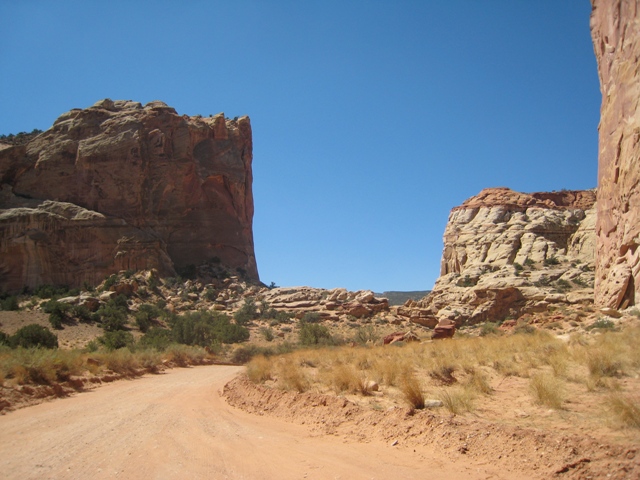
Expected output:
{"points": [[34, 336]]}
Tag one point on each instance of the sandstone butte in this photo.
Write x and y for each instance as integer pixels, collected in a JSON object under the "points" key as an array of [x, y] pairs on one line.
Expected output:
{"points": [[615, 30], [121, 186], [507, 254]]}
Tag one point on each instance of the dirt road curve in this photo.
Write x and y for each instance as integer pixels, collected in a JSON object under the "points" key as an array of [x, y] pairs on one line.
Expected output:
{"points": [[176, 425]]}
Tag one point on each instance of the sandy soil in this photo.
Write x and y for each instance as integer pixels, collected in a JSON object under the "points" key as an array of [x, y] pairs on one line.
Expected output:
{"points": [[501, 450], [176, 425], [72, 335]]}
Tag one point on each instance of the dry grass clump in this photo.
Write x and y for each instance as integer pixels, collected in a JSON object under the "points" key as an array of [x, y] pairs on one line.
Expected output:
{"points": [[291, 376], [40, 366], [184, 355], [624, 410], [479, 381], [547, 390], [346, 378], [259, 369], [120, 361], [457, 400], [411, 391]]}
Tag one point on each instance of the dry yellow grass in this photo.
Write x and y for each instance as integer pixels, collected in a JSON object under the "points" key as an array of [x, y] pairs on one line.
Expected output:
{"points": [[547, 390], [259, 369], [411, 390], [624, 410]]}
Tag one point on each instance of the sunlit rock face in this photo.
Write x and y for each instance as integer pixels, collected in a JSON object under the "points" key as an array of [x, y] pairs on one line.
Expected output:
{"points": [[124, 186], [508, 253], [615, 30]]}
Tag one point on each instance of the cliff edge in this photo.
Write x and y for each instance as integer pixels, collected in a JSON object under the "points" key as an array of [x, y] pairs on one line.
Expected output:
{"points": [[122, 186]]}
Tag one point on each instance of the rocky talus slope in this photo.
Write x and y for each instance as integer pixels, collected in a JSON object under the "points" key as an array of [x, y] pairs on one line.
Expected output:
{"points": [[615, 30], [508, 253], [121, 186]]}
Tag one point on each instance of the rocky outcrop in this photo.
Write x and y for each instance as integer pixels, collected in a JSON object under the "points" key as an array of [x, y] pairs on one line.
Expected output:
{"points": [[124, 186], [507, 253], [615, 30]]}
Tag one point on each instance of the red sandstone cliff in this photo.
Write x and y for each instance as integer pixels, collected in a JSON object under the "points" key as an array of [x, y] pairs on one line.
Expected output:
{"points": [[615, 29], [122, 186]]}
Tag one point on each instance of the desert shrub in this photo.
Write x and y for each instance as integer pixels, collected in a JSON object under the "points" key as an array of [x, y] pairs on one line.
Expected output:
{"points": [[528, 262], [145, 316], [57, 312], [206, 328], [489, 328], [156, 338], [602, 323], [580, 282], [113, 340], [80, 312], [314, 334], [247, 312], [562, 285], [53, 291], [109, 282], [267, 334], [466, 281], [524, 328], [311, 317], [517, 266], [209, 294], [34, 336], [366, 334], [547, 390], [9, 303], [4, 338], [552, 260], [112, 318], [543, 281]]}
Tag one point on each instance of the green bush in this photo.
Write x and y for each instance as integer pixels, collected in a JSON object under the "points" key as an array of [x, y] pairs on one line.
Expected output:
{"points": [[145, 316], [57, 312], [116, 339], [314, 334], [80, 312], [110, 282], [156, 338], [34, 336], [602, 323], [247, 312], [54, 291], [9, 303], [266, 333], [206, 328], [489, 328], [552, 260], [4, 338], [311, 317]]}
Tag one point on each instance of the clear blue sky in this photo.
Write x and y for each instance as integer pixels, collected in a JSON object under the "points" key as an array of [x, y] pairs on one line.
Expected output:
{"points": [[371, 119]]}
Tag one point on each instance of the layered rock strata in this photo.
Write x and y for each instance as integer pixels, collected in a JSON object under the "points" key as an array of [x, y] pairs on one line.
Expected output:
{"points": [[615, 30], [124, 186], [507, 253]]}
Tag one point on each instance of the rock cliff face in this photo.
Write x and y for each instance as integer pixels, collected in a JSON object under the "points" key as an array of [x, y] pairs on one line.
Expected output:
{"points": [[615, 29], [122, 186], [507, 253]]}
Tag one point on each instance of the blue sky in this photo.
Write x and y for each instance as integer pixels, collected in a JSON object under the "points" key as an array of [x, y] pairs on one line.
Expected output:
{"points": [[371, 119]]}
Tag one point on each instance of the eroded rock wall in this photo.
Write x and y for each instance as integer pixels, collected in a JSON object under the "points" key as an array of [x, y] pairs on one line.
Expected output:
{"points": [[508, 253], [615, 30], [147, 188]]}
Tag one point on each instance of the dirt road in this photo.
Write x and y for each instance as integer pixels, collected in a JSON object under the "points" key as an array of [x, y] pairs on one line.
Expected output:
{"points": [[176, 425]]}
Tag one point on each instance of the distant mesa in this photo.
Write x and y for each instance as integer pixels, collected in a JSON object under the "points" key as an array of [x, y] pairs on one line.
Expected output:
{"points": [[122, 186]]}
